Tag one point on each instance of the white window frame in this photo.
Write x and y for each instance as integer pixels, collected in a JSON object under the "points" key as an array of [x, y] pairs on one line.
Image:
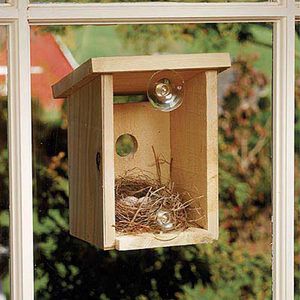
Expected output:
{"points": [[19, 15]]}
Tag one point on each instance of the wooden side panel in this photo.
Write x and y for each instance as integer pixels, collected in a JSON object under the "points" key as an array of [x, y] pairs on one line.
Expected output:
{"points": [[212, 154], [150, 127], [194, 147], [188, 145], [90, 156], [107, 205]]}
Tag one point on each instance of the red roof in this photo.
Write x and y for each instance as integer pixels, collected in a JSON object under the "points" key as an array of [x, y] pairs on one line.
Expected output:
{"points": [[48, 65]]}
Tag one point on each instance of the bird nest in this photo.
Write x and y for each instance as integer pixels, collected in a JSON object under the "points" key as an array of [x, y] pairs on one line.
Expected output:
{"points": [[144, 204]]}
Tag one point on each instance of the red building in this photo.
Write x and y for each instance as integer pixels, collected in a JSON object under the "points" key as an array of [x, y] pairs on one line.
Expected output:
{"points": [[50, 61]]}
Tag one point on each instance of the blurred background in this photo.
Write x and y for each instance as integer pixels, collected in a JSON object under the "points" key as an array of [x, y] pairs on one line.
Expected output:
{"points": [[238, 265], [4, 189]]}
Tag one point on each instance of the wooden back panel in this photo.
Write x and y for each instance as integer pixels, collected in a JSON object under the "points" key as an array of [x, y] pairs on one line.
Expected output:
{"points": [[150, 127], [90, 160]]}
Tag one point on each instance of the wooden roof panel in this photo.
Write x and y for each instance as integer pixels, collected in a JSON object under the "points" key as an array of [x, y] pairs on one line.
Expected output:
{"points": [[138, 69]]}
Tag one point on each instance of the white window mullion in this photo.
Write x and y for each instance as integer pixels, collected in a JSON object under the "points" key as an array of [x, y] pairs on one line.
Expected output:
{"points": [[20, 159], [7, 14], [149, 12], [283, 166]]}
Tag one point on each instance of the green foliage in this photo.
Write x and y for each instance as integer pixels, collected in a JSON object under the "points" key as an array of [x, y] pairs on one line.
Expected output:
{"points": [[234, 273], [297, 117], [210, 37], [92, 41]]}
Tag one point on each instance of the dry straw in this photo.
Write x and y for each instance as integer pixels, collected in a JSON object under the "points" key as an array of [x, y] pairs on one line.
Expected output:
{"points": [[139, 197]]}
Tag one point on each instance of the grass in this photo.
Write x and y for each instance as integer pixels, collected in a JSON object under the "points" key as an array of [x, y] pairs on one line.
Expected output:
{"points": [[93, 41]]}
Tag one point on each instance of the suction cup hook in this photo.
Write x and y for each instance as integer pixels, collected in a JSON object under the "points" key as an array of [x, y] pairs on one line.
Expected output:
{"points": [[166, 90]]}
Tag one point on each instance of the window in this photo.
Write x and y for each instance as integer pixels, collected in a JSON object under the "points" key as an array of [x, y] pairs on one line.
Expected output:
{"points": [[245, 210], [134, 20]]}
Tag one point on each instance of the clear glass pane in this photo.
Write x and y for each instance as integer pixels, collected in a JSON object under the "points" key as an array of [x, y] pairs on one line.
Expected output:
{"points": [[297, 166], [4, 195], [238, 264]]}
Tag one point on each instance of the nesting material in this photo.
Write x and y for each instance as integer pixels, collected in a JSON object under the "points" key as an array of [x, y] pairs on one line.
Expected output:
{"points": [[144, 204]]}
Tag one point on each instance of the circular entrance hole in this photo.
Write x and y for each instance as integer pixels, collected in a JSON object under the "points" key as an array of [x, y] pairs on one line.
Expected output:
{"points": [[126, 144]]}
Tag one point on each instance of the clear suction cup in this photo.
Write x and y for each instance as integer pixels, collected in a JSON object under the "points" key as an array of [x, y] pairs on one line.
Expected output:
{"points": [[166, 223], [164, 220], [166, 90]]}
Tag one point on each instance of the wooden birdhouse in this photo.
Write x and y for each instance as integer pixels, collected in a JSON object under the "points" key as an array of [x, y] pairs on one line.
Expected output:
{"points": [[183, 142]]}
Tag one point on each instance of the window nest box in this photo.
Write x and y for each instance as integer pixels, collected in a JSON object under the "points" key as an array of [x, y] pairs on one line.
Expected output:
{"points": [[186, 137]]}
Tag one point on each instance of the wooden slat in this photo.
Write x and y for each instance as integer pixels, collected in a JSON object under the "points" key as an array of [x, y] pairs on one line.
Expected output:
{"points": [[108, 169], [140, 66], [212, 153], [90, 132], [150, 127], [148, 240], [159, 62]]}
